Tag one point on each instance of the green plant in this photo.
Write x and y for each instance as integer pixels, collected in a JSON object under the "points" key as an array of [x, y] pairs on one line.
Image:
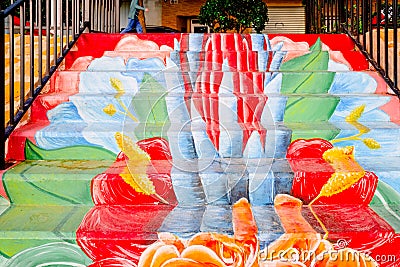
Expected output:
{"points": [[4, 4], [234, 15]]}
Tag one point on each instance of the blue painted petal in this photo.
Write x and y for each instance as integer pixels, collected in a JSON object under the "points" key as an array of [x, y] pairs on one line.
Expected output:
{"points": [[187, 184], [336, 66], [148, 64], [277, 60], [257, 42], [269, 46], [254, 148], [347, 104], [107, 63], [59, 133], [196, 41], [273, 82], [136, 68], [261, 189], [212, 221], [352, 82], [177, 46], [93, 83]]}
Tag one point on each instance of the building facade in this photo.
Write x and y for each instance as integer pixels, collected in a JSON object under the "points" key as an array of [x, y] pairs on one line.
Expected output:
{"points": [[284, 15]]}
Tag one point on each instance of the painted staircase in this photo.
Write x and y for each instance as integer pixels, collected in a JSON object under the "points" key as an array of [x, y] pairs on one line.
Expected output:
{"points": [[206, 150]]}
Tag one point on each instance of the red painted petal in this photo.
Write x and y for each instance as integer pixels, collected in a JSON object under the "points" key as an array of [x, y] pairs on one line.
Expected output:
{"points": [[120, 231]]}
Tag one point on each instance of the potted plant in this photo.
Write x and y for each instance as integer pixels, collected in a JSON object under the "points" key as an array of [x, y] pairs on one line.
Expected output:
{"points": [[234, 15]]}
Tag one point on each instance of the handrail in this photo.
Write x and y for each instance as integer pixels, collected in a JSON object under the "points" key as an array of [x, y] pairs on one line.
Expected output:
{"points": [[373, 26], [45, 31]]}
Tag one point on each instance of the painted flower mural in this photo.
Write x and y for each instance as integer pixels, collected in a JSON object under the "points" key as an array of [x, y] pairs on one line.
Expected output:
{"points": [[223, 150]]}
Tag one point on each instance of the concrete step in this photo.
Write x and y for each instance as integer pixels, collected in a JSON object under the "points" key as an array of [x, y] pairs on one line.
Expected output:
{"points": [[217, 60], [177, 106], [287, 82], [130, 229]]}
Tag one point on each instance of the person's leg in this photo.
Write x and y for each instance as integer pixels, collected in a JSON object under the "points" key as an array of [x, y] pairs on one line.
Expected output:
{"points": [[138, 26], [129, 27]]}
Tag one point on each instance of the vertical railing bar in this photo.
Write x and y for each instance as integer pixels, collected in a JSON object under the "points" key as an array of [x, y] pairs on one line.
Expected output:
{"points": [[364, 20], [327, 17], [78, 17], [333, 17], [22, 57], [55, 36], [370, 29], [31, 50], [386, 39], [12, 69], [324, 16], [92, 14], [378, 32], [308, 17], [40, 45], [98, 27], [99, 18], [117, 16], [2, 89], [67, 10], [358, 20], [95, 20], [395, 38], [338, 16], [111, 16], [48, 41], [60, 13], [105, 6], [108, 16], [352, 21], [73, 18]]}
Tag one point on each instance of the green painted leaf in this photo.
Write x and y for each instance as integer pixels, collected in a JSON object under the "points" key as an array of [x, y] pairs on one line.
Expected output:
{"points": [[24, 228], [386, 203], [151, 109], [308, 109], [3, 205], [52, 182], [306, 82], [51, 254], [33, 152]]}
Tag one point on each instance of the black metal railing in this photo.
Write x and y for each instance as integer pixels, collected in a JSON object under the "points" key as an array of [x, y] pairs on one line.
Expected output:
{"points": [[373, 25], [35, 36]]}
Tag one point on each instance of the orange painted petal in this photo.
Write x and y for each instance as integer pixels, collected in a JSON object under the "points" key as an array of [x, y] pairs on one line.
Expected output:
{"points": [[163, 254], [171, 239], [203, 255], [288, 209], [180, 262], [244, 225], [147, 256]]}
